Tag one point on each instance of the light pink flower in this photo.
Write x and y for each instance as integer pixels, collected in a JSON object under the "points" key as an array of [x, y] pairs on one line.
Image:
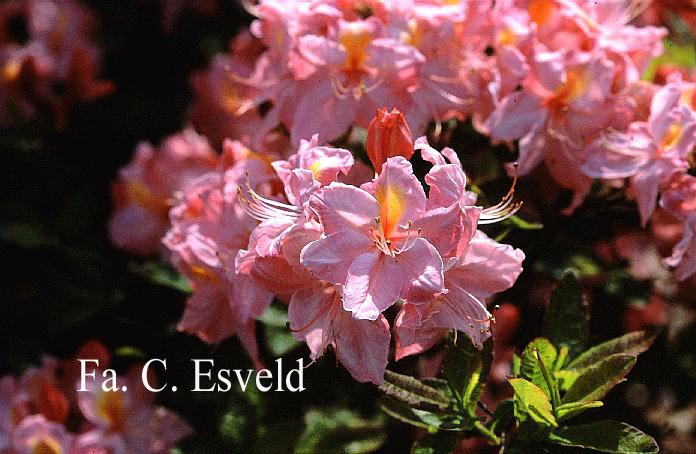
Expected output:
{"points": [[35, 434], [651, 152], [371, 246], [208, 228], [147, 187], [684, 253], [486, 268], [317, 316], [679, 199], [272, 256], [127, 421]]}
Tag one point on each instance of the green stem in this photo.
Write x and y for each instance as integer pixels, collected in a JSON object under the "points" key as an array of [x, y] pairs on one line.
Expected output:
{"points": [[487, 433]]}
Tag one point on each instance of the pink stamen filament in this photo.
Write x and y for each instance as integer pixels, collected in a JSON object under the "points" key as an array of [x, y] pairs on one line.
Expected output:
{"points": [[262, 209], [503, 209], [385, 245]]}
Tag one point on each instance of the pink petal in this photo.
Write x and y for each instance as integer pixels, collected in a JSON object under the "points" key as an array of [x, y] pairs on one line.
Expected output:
{"points": [[362, 346], [411, 336], [518, 114], [488, 267], [330, 258], [374, 282], [399, 193], [341, 206], [422, 270]]}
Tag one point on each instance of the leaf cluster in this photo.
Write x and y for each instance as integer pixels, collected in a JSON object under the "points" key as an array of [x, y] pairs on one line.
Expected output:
{"points": [[555, 378]]}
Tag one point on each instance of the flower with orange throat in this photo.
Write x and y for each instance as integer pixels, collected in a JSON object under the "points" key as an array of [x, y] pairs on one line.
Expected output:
{"points": [[387, 136]]}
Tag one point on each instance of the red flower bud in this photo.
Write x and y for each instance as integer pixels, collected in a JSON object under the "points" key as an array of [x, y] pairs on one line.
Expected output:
{"points": [[387, 136]]}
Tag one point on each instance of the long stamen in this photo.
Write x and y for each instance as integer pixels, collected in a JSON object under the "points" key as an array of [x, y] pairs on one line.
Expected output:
{"points": [[410, 238], [503, 209], [261, 208]]}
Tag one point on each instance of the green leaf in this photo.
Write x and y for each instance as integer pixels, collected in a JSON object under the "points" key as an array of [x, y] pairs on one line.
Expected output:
{"points": [[531, 401], [567, 318], [529, 365], [516, 365], [466, 369], [503, 417], [279, 339], [567, 411], [440, 443], [413, 392], [605, 436], [402, 412], [596, 381], [632, 344], [340, 431], [161, 274], [566, 378]]}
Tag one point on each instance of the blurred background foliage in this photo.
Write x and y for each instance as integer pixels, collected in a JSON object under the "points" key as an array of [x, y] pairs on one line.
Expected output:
{"points": [[63, 283]]}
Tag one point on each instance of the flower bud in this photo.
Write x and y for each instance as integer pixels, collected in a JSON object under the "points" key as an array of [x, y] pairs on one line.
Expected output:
{"points": [[387, 136]]}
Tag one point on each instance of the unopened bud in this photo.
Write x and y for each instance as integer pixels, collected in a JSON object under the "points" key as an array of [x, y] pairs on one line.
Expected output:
{"points": [[387, 136]]}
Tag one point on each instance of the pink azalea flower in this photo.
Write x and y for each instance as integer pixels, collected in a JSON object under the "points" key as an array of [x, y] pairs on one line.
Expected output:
{"points": [[285, 229], [680, 201], [486, 268], [649, 152], [127, 421], [317, 316], [684, 253], [370, 246], [208, 228], [35, 434], [146, 189]]}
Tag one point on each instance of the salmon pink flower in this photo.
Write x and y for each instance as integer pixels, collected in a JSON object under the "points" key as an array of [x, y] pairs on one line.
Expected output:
{"points": [[371, 245], [680, 201], [317, 316], [127, 421], [486, 268], [208, 228], [683, 256], [146, 189], [651, 152], [275, 243], [35, 434], [387, 136]]}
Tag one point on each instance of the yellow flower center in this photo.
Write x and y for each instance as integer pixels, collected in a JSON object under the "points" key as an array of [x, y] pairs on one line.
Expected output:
{"points": [[111, 408], [46, 446], [672, 136], [355, 40]]}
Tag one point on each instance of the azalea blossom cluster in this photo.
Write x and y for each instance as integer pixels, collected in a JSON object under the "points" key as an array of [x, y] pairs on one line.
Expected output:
{"points": [[47, 60], [341, 246], [37, 409], [559, 81]]}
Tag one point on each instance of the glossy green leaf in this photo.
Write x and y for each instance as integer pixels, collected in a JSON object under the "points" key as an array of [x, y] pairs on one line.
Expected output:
{"points": [[567, 318], [404, 413], [340, 431], [567, 411], [605, 436], [413, 392], [532, 403], [529, 365], [596, 381], [466, 369], [632, 344]]}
